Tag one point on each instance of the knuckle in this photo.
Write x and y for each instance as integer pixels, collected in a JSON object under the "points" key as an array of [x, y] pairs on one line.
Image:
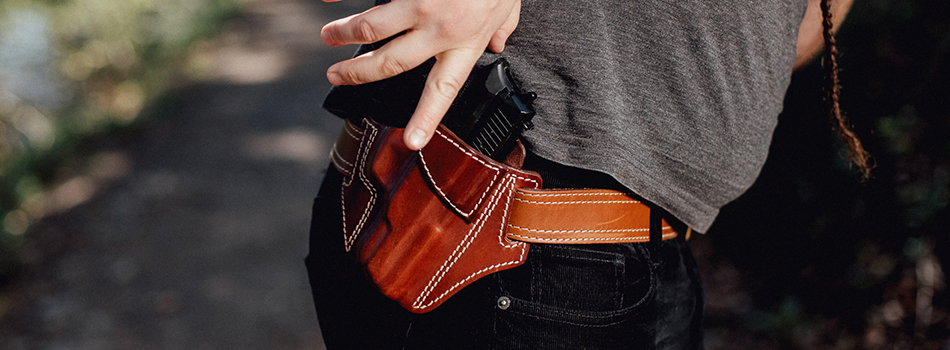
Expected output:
{"points": [[390, 66], [447, 87], [364, 30], [424, 9], [350, 76], [430, 119]]}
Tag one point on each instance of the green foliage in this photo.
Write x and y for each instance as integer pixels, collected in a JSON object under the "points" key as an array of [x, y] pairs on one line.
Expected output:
{"points": [[107, 60]]}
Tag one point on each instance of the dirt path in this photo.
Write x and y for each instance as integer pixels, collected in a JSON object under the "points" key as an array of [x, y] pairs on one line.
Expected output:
{"points": [[191, 233]]}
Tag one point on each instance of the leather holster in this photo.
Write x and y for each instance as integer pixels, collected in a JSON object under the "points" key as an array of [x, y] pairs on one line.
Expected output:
{"points": [[427, 223]]}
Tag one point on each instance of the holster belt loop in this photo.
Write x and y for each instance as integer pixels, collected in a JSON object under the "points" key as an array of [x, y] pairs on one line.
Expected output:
{"points": [[656, 226]]}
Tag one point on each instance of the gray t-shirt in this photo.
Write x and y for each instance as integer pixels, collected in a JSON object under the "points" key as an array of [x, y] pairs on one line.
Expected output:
{"points": [[676, 99]]}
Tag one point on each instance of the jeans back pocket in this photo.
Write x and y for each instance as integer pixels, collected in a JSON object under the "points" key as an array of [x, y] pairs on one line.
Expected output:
{"points": [[578, 282]]}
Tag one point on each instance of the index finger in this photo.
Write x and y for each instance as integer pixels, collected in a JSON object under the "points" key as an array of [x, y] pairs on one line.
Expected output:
{"points": [[446, 78], [397, 56], [375, 24]]}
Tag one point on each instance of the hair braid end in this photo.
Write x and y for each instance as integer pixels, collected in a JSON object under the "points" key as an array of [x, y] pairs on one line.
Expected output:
{"points": [[856, 152]]}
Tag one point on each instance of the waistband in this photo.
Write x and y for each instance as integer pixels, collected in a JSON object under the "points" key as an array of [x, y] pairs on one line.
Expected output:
{"points": [[561, 216]]}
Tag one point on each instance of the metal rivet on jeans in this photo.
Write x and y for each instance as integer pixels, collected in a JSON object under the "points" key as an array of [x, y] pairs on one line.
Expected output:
{"points": [[504, 303]]}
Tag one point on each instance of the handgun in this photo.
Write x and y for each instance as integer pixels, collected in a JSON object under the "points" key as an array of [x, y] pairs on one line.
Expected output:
{"points": [[494, 112]]}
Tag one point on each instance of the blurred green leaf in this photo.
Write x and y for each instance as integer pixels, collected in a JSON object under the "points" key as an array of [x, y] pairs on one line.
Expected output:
{"points": [[101, 62]]}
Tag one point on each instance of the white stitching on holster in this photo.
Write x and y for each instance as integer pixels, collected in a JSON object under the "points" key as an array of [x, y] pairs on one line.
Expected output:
{"points": [[585, 231], [364, 149], [469, 238], [488, 188], [605, 193], [589, 239], [577, 202]]}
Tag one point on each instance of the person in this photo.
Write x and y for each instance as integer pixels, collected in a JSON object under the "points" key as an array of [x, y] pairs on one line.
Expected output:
{"points": [[671, 101]]}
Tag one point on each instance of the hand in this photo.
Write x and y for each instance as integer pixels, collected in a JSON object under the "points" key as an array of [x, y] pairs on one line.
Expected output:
{"points": [[455, 32]]}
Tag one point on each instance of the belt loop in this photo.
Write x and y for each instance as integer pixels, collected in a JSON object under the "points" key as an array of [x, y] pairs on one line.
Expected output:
{"points": [[656, 225]]}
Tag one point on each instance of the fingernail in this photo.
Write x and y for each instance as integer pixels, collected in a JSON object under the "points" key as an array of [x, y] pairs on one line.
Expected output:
{"points": [[334, 78], [326, 37], [333, 75], [417, 139]]}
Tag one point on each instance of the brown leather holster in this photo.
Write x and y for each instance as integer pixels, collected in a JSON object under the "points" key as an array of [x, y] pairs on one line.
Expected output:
{"points": [[426, 224]]}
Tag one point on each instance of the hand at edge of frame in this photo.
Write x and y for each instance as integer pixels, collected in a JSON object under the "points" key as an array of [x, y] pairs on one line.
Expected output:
{"points": [[455, 32]]}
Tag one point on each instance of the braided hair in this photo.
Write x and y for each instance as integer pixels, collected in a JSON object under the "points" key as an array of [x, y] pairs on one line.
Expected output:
{"points": [[856, 152]]}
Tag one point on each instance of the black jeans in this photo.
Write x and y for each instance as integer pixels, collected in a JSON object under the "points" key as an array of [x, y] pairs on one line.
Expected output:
{"points": [[610, 296]]}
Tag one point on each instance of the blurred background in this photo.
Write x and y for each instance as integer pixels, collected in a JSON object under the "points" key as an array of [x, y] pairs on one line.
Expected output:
{"points": [[158, 160]]}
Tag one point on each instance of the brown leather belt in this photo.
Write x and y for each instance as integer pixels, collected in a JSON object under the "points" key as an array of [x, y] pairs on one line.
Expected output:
{"points": [[564, 216]]}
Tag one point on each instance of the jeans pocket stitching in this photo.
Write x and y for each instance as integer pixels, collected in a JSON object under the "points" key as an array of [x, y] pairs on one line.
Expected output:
{"points": [[575, 317], [584, 317]]}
